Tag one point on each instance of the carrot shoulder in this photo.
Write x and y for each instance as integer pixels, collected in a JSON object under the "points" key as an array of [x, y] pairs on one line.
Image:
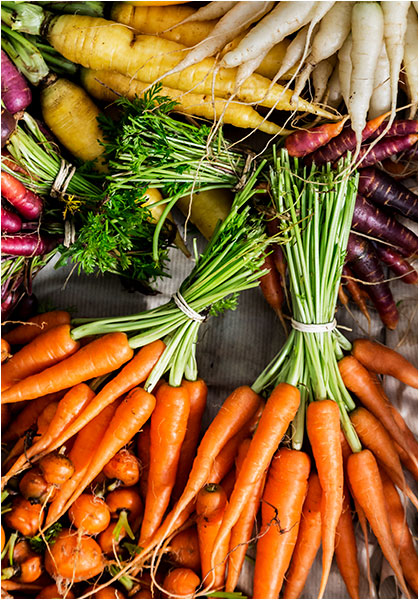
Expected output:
{"points": [[25, 333]]}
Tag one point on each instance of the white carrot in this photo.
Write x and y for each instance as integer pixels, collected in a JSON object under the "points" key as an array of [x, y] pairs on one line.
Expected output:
{"points": [[395, 23], [367, 39], [345, 68], [294, 52], [333, 95], [232, 24], [209, 12], [410, 59], [283, 20], [380, 102], [321, 75]]}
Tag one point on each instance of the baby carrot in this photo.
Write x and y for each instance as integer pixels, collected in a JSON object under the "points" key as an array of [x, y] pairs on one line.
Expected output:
{"points": [[282, 503], [25, 333], [364, 478], [242, 530], [308, 540], [184, 549], [385, 361], [345, 548], [180, 583], [359, 381], [198, 398], [167, 432], [100, 357], [44, 351], [323, 428]]}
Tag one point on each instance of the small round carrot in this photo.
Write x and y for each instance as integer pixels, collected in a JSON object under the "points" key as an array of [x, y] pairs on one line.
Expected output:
{"points": [[123, 468], [282, 504], [110, 539], [129, 417], [364, 478], [126, 505], [401, 533], [100, 357], [25, 517], [385, 361], [242, 530], [25, 333], [51, 591], [56, 468], [323, 428], [345, 548], [359, 381], [211, 503], [143, 453], [184, 549], [198, 392], [278, 413], [181, 582], [375, 437], [5, 350], [34, 487], [44, 351], [108, 592], [89, 514], [74, 557], [308, 540], [167, 432]]}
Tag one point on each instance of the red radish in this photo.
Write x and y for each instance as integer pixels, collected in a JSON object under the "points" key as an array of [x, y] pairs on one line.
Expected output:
{"points": [[387, 147], [28, 204], [384, 190], [396, 263], [377, 223], [10, 221], [30, 244], [366, 267], [15, 92], [304, 141]]}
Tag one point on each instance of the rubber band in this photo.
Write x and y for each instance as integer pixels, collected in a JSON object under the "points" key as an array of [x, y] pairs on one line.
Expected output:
{"points": [[181, 303], [314, 327], [63, 178]]}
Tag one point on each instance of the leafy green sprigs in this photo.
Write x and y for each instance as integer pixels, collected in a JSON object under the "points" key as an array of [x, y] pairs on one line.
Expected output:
{"points": [[39, 543]]}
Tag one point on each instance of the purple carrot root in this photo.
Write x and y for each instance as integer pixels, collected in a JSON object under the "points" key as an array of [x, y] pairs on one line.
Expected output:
{"points": [[30, 244], [8, 125], [396, 263], [402, 127], [15, 91], [302, 142], [366, 267], [376, 223], [10, 221], [386, 148], [385, 191]]}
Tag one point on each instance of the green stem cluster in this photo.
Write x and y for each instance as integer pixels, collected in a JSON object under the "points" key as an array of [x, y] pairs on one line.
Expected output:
{"points": [[315, 208]]}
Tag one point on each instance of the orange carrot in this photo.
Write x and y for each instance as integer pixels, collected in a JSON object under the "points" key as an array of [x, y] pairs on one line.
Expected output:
{"points": [[375, 437], [123, 468], [355, 291], [74, 557], [44, 351], [323, 428], [385, 361], [167, 432], [359, 381], [5, 350], [211, 503], [227, 482], [68, 408], [278, 413], [308, 540], [226, 457], [181, 582], [134, 373], [85, 445], [409, 437], [282, 504], [364, 478], [100, 357], [242, 531], [406, 461], [271, 287], [345, 548], [401, 534], [198, 398], [184, 549], [25, 333], [143, 453], [129, 417]]}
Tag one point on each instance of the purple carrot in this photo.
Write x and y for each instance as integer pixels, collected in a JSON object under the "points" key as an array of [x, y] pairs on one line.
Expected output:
{"points": [[15, 92], [342, 143], [382, 189], [10, 221], [402, 127], [366, 267], [302, 142], [30, 244], [387, 147], [8, 125], [28, 204], [396, 263], [377, 223]]}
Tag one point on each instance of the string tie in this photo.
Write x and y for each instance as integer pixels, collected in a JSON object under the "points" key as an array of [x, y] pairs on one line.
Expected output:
{"points": [[181, 303], [314, 327], [63, 178]]}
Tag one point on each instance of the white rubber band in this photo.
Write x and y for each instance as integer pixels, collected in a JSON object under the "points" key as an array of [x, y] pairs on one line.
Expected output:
{"points": [[181, 303], [63, 178], [313, 327]]}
